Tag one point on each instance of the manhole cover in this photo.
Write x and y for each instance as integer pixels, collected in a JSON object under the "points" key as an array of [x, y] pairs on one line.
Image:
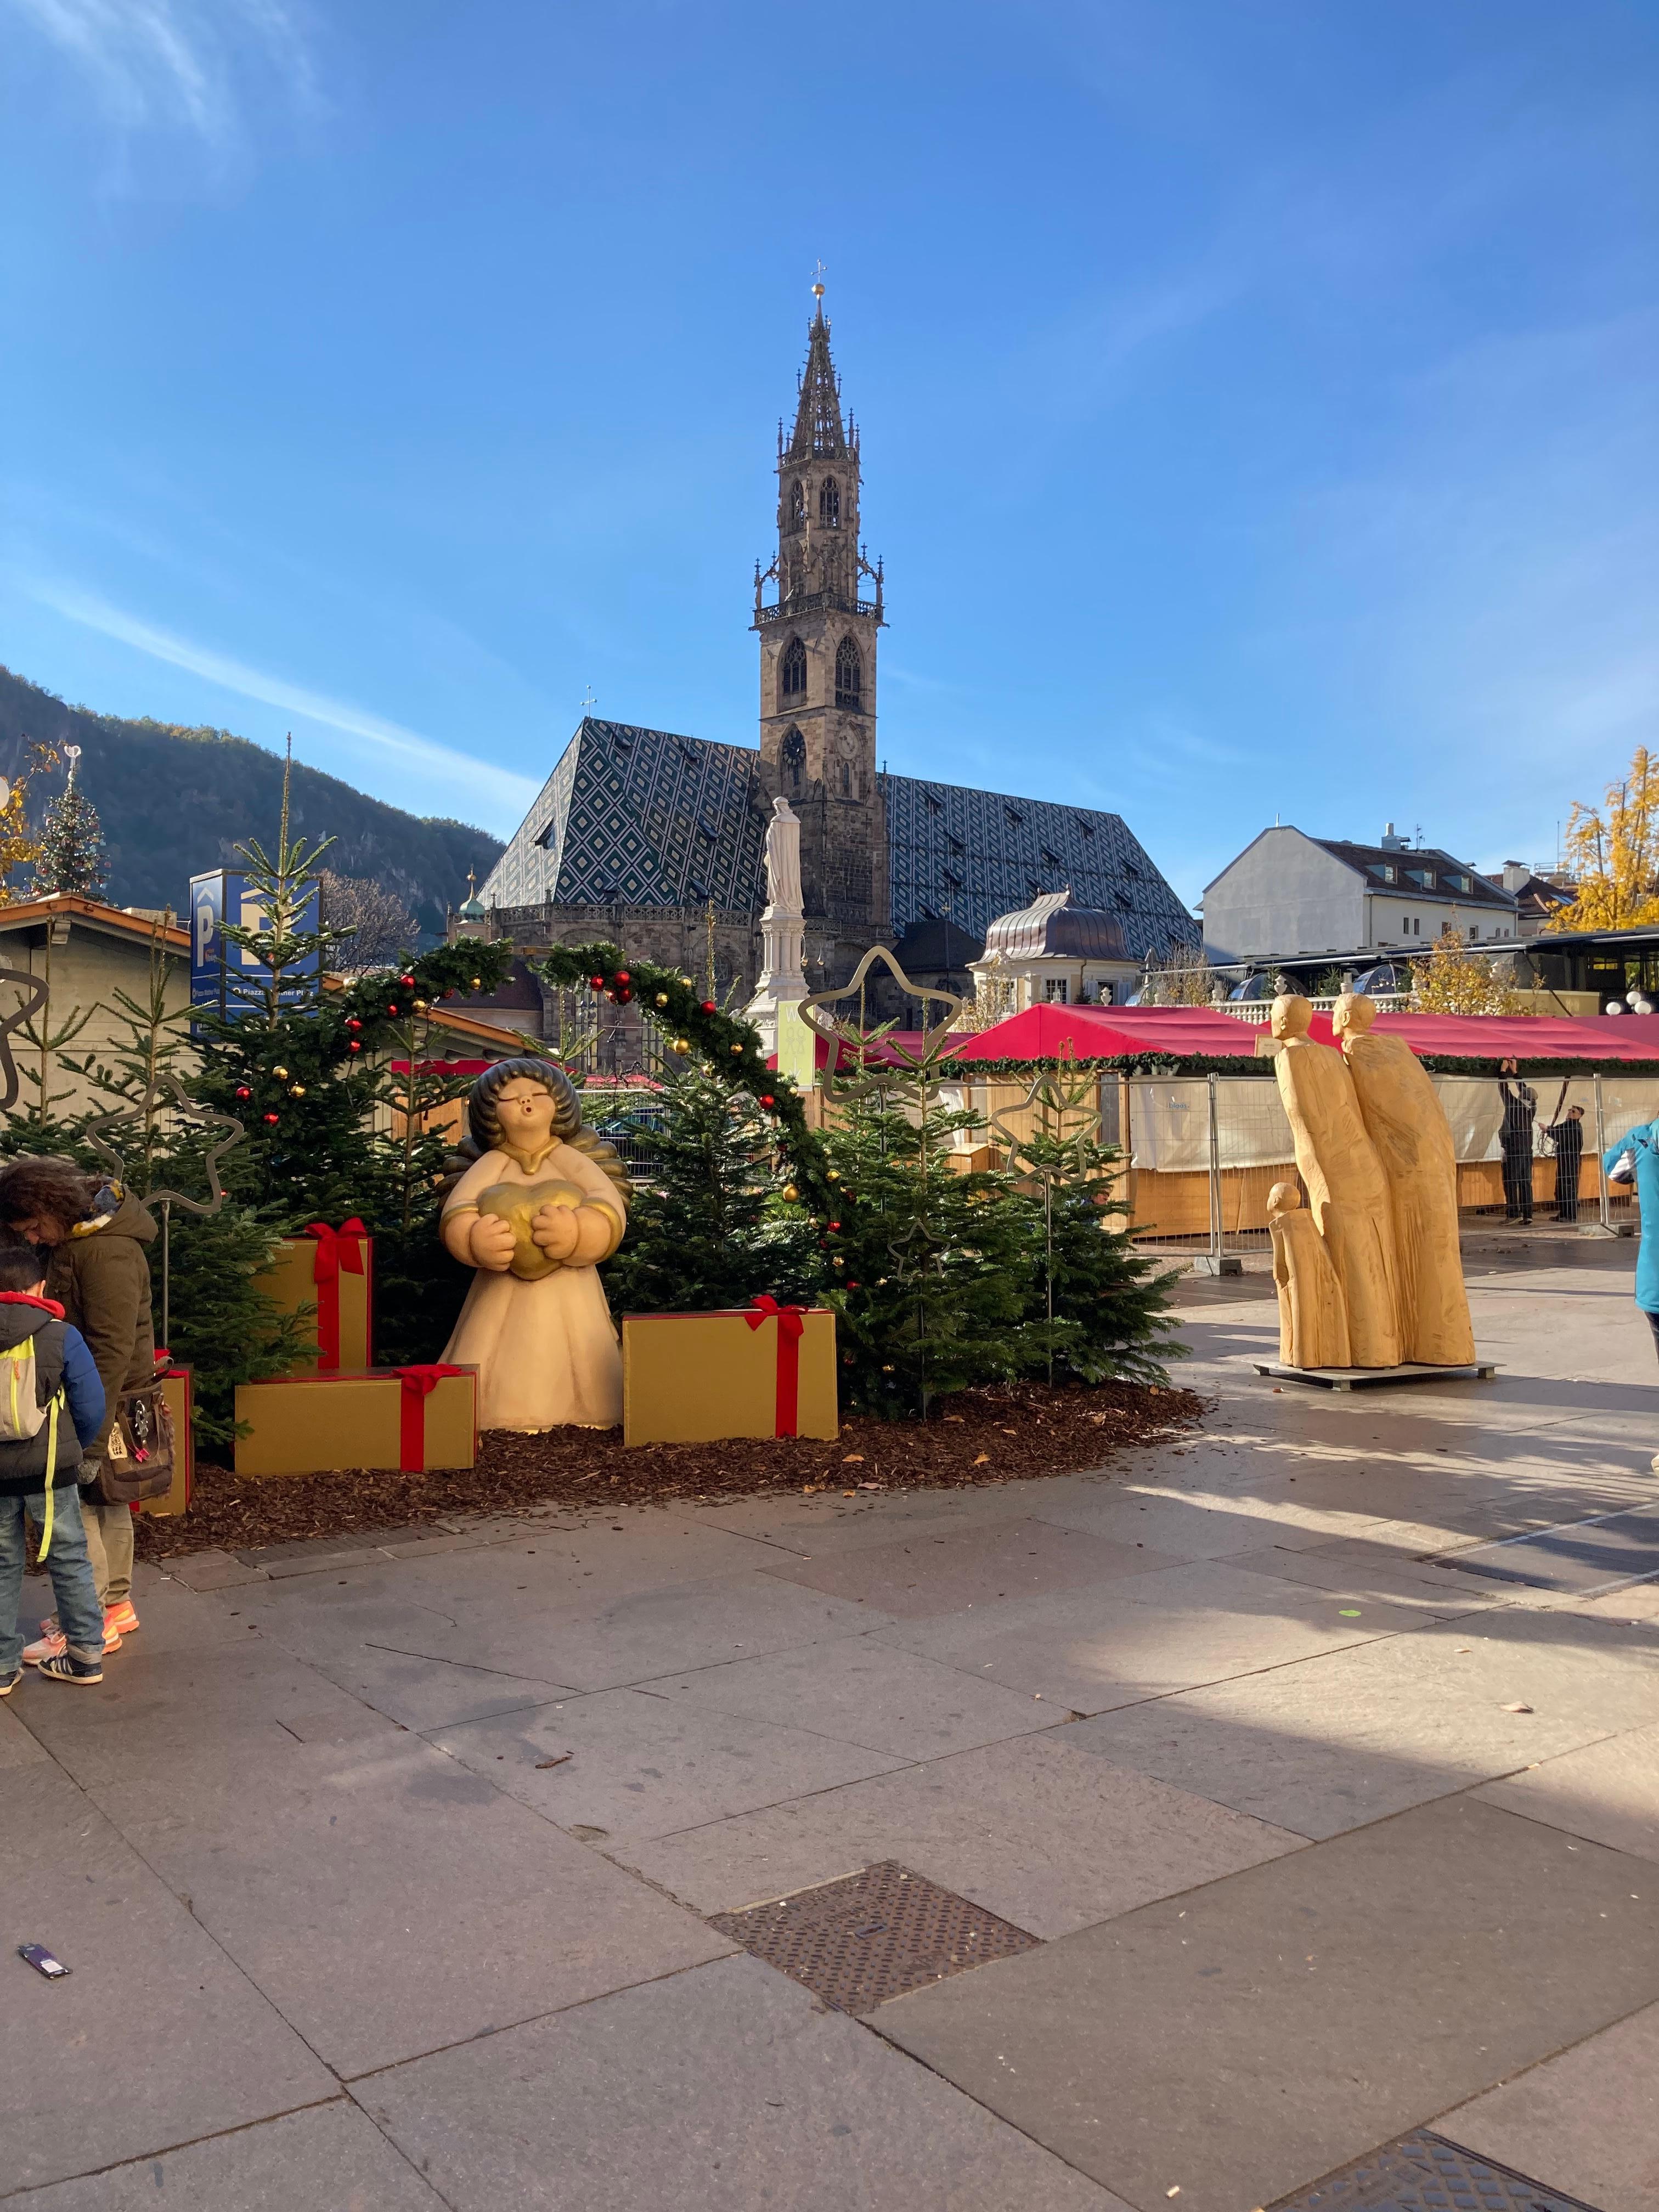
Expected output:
{"points": [[1424, 2173], [870, 1937], [1576, 1555]]}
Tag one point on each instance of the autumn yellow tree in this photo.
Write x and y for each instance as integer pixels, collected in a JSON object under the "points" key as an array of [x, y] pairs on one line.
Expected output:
{"points": [[1451, 979], [19, 845], [1612, 851]]}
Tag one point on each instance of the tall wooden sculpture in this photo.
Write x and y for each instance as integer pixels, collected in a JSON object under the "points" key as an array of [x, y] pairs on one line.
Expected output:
{"points": [[1407, 1125], [1313, 1313], [1347, 1190]]}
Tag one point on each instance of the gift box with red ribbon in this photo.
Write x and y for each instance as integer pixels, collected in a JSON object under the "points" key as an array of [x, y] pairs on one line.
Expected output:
{"points": [[411, 1419], [761, 1371], [176, 1383], [331, 1271]]}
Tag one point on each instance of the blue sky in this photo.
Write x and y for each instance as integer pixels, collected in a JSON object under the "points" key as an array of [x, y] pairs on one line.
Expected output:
{"points": [[1258, 400]]}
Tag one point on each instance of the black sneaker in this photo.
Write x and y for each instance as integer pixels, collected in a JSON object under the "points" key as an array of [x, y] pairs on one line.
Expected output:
{"points": [[7, 1687], [66, 1668]]}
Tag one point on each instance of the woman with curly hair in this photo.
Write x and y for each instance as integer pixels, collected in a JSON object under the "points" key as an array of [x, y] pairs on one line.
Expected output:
{"points": [[541, 1203]]}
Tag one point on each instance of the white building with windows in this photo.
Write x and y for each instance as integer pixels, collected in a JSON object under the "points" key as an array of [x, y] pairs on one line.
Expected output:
{"points": [[1290, 896]]}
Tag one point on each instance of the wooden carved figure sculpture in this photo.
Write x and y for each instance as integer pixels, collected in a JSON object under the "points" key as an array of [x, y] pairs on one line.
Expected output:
{"points": [[1408, 1124], [1347, 1190], [1313, 1313], [543, 1201]]}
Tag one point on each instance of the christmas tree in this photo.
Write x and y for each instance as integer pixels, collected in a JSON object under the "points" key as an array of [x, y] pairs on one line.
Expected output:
{"points": [[71, 847], [929, 1268], [1099, 1307], [707, 1228]]}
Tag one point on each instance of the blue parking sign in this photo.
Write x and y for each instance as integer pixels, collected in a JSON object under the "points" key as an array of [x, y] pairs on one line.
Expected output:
{"points": [[224, 896]]}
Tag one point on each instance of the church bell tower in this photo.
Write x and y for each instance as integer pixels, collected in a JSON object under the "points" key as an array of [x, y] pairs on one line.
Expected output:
{"points": [[817, 671]]}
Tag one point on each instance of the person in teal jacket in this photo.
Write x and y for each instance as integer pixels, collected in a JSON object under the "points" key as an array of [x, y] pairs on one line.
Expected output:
{"points": [[1641, 1168]]}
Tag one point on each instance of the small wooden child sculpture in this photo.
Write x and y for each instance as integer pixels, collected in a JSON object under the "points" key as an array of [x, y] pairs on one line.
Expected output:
{"points": [[543, 1202], [1313, 1313]]}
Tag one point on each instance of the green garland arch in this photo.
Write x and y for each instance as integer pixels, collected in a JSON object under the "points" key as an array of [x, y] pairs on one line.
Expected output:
{"points": [[731, 1048]]}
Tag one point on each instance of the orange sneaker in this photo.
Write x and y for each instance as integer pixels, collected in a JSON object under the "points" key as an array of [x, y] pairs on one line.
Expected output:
{"points": [[50, 1643], [121, 1618]]}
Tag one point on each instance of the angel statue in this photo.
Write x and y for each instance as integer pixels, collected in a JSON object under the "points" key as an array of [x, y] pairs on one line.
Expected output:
{"points": [[542, 1201]]}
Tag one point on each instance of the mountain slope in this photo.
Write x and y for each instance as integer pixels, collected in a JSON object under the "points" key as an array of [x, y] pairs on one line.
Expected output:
{"points": [[174, 802]]}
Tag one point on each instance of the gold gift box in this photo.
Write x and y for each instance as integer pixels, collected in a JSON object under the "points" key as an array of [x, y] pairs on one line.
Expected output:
{"points": [[696, 1378], [175, 1383], [290, 1283], [325, 1423]]}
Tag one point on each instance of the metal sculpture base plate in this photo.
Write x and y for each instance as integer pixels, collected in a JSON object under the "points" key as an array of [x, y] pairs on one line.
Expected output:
{"points": [[1371, 1378]]}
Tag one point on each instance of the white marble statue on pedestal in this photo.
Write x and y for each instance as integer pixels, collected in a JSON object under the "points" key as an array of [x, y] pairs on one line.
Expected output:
{"points": [[783, 979]]}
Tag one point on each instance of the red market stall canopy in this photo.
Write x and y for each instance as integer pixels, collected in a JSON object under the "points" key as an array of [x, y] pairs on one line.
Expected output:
{"points": [[1053, 1032]]}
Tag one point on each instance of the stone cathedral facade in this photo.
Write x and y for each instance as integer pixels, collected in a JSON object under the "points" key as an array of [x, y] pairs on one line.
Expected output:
{"points": [[654, 840]]}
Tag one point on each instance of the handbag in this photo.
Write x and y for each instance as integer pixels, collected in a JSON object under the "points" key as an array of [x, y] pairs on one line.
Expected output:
{"points": [[137, 1462]]}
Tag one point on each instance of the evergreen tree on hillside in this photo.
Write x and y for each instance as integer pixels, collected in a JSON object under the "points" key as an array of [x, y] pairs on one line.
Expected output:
{"points": [[72, 856]]}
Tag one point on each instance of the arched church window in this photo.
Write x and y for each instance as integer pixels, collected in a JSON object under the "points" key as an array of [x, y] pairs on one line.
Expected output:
{"points": [[848, 674], [792, 758], [792, 674], [846, 779], [830, 503], [797, 503]]}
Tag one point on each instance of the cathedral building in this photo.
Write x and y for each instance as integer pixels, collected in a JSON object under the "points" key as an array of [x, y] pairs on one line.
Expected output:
{"points": [[654, 840]]}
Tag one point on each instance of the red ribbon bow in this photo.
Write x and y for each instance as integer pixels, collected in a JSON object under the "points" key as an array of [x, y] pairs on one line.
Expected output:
{"points": [[419, 1384], [791, 1326], [338, 1250]]}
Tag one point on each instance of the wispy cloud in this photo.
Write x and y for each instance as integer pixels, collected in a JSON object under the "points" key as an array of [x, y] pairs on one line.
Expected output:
{"points": [[178, 62], [475, 782]]}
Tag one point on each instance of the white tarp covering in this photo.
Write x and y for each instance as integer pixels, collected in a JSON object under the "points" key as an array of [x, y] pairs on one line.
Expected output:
{"points": [[1170, 1122]]}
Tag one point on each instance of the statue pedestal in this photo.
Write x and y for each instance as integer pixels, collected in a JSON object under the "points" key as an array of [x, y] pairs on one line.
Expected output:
{"points": [[1369, 1378]]}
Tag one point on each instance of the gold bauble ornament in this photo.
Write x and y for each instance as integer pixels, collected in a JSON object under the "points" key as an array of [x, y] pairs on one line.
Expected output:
{"points": [[790, 1192], [832, 1175], [734, 1047], [296, 1090], [420, 1005], [682, 1045], [281, 1074], [662, 998]]}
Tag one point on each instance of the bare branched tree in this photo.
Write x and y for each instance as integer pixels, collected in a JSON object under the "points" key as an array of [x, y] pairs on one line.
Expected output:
{"points": [[382, 926]]}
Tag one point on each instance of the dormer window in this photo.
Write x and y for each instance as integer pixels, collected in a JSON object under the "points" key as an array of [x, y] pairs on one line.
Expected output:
{"points": [[1384, 869], [1423, 877]]}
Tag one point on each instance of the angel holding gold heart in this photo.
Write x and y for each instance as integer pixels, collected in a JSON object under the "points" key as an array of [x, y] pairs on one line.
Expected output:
{"points": [[541, 1203]]}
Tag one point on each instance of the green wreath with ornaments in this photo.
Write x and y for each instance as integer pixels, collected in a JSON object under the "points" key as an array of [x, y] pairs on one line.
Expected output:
{"points": [[695, 1026]]}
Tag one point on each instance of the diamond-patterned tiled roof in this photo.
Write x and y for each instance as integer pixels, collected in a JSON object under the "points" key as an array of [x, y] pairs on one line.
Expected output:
{"points": [[645, 817], [981, 853], [638, 817]]}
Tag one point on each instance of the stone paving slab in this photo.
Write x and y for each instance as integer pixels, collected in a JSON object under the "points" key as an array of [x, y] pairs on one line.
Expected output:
{"points": [[83, 2083], [921, 1576], [860, 1691], [1608, 1791], [710, 2092], [1038, 1832], [1239, 2042], [1335, 1742], [331, 2158], [1089, 1651], [636, 1765], [387, 1901], [1439, 1591], [1587, 2120]]}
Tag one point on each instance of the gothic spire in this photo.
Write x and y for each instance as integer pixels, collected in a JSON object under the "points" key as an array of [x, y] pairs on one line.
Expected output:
{"points": [[817, 418]]}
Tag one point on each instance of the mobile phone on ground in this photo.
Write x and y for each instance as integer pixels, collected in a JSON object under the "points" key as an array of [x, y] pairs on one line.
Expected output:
{"points": [[42, 1961]]}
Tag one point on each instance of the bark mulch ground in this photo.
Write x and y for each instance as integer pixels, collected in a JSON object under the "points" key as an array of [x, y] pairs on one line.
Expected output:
{"points": [[1003, 1435]]}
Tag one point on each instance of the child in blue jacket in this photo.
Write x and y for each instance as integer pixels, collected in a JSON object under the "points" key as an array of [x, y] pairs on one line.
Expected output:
{"points": [[38, 1472]]}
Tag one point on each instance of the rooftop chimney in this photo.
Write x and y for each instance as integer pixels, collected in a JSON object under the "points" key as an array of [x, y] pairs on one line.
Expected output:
{"points": [[1390, 842]]}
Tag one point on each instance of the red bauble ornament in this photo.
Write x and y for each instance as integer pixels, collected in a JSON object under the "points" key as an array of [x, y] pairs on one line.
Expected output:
{"points": [[244, 1092], [835, 1224], [709, 1008], [353, 1046], [392, 1009], [408, 983], [352, 1023], [768, 1099], [622, 976], [596, 983], [271, 1117], [850, 1286], [624, 997]]}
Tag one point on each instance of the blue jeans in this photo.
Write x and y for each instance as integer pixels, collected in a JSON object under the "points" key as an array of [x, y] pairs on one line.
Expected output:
{"points": [[79, 1614]]}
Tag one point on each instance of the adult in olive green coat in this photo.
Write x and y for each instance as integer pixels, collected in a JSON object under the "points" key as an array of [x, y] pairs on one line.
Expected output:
{"points": [[92, 1237]]}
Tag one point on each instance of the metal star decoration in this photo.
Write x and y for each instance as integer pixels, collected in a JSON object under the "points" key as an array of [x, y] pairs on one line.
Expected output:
{"points": [[203, 1117], [845, 1036]]}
